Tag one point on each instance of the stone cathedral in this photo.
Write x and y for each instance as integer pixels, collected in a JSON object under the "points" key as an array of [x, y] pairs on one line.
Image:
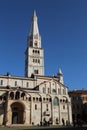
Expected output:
{"points": [[34, 99]]}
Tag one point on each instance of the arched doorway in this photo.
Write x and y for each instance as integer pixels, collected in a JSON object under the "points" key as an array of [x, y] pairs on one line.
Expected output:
{"points": [[17, 113]]}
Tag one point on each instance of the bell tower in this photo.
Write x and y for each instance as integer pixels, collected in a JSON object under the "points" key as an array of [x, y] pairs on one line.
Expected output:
{"points": [[34, 55]]}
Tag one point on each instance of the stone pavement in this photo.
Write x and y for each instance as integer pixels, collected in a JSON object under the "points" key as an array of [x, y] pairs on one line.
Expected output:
{"points": [[41, 127]]}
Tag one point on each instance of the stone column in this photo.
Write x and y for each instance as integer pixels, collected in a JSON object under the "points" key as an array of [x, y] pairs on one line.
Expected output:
{"points": [[69, 112], [41, 110], [31, 110], [24, 117], [6, 109], [59, 111], [52, 109]]}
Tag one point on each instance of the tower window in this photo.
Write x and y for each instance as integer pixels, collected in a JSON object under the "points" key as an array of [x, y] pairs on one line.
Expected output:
{"points": [[36, 61], [35, 44], [36, 51], [36, 71]]}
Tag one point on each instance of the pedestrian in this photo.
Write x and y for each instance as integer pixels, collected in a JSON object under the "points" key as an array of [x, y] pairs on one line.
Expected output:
{"points": [[63, 121]]}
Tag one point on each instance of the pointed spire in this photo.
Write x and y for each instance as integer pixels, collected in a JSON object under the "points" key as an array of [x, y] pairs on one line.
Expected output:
{"points": [[34, 13], [60, 76], [60, 72], [34, 25]]}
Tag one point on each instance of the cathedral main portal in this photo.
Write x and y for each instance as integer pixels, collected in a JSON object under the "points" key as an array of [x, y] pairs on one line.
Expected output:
{"points": [[17, 113]]}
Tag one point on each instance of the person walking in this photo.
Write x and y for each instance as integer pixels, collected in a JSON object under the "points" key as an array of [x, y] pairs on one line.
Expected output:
{"points": [[63, 121]]}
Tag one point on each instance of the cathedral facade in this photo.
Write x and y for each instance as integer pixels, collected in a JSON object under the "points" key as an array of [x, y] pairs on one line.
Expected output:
{"points": [[34, 99]]}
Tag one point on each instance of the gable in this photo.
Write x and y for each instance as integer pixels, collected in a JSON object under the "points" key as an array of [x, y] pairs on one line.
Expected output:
{"points": [[52, 87]]}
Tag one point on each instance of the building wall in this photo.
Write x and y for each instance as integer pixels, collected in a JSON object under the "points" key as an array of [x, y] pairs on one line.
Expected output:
{"points": [[17, 82], [37, 104], [79, 104]]}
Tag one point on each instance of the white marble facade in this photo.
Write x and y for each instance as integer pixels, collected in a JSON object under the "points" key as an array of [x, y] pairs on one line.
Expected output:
{"points": [[34, 99]]}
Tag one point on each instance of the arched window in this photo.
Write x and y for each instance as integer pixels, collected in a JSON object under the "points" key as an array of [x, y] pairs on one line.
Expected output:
{"points": [[17, 96], [23, 95], [56, 101], [33, 98], [35, 106], [12, 95], [35, 44], [38, 52]]}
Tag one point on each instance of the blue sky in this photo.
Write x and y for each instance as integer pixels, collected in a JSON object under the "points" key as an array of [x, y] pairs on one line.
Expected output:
{"points": [[63, 29]]}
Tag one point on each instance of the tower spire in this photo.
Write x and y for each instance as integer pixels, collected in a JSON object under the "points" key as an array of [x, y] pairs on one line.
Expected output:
{"points": [[34, 25], [34, 13]]}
